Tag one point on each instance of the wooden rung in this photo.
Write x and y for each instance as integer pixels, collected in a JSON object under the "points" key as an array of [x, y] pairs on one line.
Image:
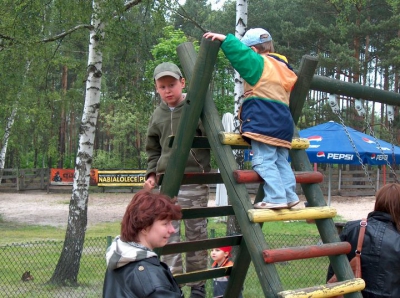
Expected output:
{"points": [[328, 290], [250, 176], [203, 274], [230, 138], [196, 245], [305, 252], [266, 215]]}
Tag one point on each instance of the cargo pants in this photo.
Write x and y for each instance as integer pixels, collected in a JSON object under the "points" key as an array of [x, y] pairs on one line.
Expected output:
{"points": [[190, 196]]}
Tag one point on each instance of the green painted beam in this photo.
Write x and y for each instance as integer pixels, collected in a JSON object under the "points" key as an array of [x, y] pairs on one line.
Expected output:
{"points": [[254, 238], [200, 244], [197, 91], [300, 91], [321, 83]]}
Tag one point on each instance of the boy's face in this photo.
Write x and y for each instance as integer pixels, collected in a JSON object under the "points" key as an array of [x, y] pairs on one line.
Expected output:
{"points": [[170, 90]]}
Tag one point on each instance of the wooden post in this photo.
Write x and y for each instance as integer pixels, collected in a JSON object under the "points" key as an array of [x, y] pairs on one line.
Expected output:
{"points": [[190, 117], [334, 86], [268, 215], [250, 176], [305, 252], [253, 236], [300, 91]]}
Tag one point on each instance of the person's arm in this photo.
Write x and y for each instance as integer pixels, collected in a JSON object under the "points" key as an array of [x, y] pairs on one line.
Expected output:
{"points": [[153, 151], [247, 63], [150, 182], [164, 293]]}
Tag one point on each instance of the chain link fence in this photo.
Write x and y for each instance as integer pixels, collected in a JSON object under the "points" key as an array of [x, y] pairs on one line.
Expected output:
{"points": [[40, 259]]}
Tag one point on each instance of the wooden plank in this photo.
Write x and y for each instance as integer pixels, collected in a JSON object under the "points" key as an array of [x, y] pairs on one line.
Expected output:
{"points": [[360, 186], [203, 274], [196, 178], [207, 212], [197, 245], [236, 139], [328, 290], [267, 215], [305, 252], [254, 237], [250, 176]]}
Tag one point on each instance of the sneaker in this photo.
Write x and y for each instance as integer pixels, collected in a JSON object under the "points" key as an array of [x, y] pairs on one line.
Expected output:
{"points": [[198, 292], [291, 204], [265, 205]]}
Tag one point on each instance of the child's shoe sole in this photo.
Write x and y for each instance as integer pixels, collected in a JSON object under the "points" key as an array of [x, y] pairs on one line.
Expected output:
{"points": [[265, 205], [291, 204]]}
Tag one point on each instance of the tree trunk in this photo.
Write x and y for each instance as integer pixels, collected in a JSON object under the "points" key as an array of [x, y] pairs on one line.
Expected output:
{"points": [[10, 122], [66, 272], [61, 139], [233, 227], [6, 137]]}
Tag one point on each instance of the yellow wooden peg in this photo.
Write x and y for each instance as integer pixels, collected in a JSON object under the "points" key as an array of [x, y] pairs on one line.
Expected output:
{"points": [[267, 215], [230, 138], [328, 290]]}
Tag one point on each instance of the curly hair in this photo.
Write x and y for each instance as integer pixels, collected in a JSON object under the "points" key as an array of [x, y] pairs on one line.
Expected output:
{"points": [[388, 201], [143, 210]]}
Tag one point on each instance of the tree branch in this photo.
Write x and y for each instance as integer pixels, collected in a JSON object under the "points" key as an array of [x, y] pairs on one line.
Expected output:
{"points": [[62, 35], [131, 3]]}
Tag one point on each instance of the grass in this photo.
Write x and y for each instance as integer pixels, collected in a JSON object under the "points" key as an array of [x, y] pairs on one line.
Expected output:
{"points": [[19, 233], [293, 274]]}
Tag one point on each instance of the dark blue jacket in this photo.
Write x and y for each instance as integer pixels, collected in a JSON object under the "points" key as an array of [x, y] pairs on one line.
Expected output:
{"points": [[141, 279], [380, 255]]}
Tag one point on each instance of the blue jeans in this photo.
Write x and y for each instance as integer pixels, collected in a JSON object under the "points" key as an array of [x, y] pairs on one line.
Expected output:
{"points": [[271, 163]]}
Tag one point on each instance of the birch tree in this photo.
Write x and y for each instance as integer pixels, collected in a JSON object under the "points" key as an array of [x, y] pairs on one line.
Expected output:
{"points": [[9, 125], [233, 226], [67, 269], [240, 29]]}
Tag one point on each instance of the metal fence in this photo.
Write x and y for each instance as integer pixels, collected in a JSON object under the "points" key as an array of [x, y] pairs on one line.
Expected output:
{"points": [[40, 258]]}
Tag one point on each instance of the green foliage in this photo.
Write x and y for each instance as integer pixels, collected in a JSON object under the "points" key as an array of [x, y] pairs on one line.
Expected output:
{"points": [[106, 160], [352, 41]]}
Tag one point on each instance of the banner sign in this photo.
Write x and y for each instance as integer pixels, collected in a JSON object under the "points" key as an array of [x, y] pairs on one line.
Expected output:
{"points": [[66, 176], [121, 178]]}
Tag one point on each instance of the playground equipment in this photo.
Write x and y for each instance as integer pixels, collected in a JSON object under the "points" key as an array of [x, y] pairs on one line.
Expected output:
{"points": [[252, 244]]}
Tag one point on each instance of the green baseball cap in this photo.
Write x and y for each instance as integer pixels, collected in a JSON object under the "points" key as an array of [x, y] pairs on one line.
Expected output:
{"points": [[167, 69]]}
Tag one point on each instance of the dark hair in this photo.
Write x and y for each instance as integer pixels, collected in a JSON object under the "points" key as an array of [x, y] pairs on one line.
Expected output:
{"points": [[143, 210], [388, 201]]}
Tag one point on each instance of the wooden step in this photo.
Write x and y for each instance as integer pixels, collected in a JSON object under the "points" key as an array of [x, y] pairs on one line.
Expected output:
{"points": [[328, 290], [242, 177], [236, 141], [187, 246], [267, 215], [184, 278], [230, 138], [250, 176], [305, 252]]}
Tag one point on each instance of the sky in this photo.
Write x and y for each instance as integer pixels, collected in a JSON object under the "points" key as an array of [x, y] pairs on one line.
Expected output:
{"points": [[215, 4]]}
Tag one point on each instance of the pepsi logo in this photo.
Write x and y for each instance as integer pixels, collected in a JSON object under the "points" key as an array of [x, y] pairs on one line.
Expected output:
{"points": [[366, 140], [315, 138]]}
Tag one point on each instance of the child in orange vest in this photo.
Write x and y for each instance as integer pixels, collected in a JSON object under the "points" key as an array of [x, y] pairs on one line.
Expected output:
{"points": [[221, 257]]}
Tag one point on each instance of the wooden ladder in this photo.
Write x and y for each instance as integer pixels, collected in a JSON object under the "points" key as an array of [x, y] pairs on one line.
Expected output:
{"points": [[252, 243]]}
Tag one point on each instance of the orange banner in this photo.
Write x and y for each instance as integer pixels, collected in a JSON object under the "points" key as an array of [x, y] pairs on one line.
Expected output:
{"points": [[66, 176]]}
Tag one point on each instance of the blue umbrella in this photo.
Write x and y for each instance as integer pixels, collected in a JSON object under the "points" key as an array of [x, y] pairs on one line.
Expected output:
{"points": [[329, 143]]}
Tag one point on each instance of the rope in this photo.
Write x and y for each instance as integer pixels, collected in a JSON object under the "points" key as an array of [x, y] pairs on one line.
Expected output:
{"points": [[336, 111]]}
